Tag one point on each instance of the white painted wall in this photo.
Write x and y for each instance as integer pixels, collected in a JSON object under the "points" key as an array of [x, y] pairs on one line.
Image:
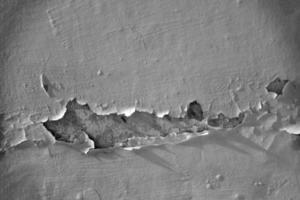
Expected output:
{"points": [[152, 54], [156, 55]]}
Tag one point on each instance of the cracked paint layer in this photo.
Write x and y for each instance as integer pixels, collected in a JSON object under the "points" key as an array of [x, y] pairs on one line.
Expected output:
{"points": [[255, 148], [78, 124], [138, 129], [114, 129], [268, 134]]}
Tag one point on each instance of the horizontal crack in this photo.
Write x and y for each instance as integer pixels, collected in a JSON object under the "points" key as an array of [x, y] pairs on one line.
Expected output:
{"points": [[108, 130], [119, 130]]}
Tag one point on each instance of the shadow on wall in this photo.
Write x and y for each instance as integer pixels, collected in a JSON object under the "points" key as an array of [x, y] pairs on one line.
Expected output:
{"points": [[285, 14]]}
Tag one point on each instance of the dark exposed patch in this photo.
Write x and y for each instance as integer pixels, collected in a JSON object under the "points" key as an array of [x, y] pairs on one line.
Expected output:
{"points": [[123, 118], [225, 122], [276, 86], [296, 143], [108, 130], [2, 155], [105, 140], [195, 111]]}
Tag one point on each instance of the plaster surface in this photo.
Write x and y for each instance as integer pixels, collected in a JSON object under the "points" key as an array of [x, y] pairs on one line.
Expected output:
{"points": [[155, 56]]}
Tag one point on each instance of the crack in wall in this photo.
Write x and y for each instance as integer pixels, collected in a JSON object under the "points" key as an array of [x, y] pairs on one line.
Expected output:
{"points": [[119, 130]]}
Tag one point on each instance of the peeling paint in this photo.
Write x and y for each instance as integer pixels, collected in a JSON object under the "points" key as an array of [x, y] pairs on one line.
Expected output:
{"points": [[50, 89], [109, 130], [165, 54], [132, 128], [77, 123]]}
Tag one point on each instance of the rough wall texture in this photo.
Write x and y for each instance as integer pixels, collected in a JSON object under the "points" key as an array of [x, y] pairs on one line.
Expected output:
{"points": [[212, 88]]}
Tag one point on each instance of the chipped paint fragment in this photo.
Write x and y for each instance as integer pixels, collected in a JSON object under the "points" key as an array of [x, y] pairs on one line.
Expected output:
{"points": [[51, 89]]}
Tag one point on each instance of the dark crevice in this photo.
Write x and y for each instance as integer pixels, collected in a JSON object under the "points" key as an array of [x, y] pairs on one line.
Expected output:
{"points": [[108, 130], [277, 86], [296, 143], [195, 111]]}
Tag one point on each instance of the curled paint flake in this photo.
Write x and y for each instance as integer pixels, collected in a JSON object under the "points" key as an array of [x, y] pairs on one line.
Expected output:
{"points": [[194, 111], [49, 88]]}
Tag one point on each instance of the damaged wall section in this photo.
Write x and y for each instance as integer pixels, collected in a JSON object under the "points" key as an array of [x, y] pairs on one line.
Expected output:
{"points": [[79, 124], [118, 130], [115, 129]]}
